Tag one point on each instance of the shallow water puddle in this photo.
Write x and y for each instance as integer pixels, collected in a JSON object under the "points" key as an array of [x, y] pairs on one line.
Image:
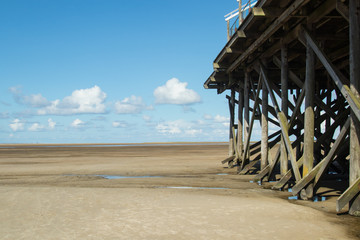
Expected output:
{"points": [[315, 199]]}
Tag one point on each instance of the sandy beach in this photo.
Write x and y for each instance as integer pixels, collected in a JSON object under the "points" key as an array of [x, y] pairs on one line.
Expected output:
{"points": [[169, 191]]}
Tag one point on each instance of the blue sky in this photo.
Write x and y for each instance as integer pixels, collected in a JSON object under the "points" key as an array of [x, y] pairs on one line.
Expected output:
{"points": [[91, 71]]}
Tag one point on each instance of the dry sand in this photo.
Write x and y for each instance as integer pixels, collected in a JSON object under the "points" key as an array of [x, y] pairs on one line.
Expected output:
{"points": [[54, 193]]}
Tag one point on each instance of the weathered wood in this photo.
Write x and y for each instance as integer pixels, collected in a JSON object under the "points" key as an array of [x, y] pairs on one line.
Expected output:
{"points": [[321, 11], [240, 141], [264, 129], [320, 168], [231, 110], [262, 174], [348, 195], [247, 167], [267, 33], [284, 161], [336, 75], [309, 111], [247, 143], [228, 159], [283, 125], [354, 35], [246, 113], [342, 9], [285, 179]]}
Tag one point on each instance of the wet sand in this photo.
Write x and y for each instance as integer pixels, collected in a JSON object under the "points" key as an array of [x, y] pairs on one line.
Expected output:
{"points": [[54, 192]]}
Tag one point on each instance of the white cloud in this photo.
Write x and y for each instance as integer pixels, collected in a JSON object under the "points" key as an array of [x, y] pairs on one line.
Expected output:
{"points": [[89, 100], [221, 119], [175, 92], [118, 124], [34, 100], [77, 123], [208, 117], [178, 127], [131, 105], [17, 125], [35, 127], [51, 123]]}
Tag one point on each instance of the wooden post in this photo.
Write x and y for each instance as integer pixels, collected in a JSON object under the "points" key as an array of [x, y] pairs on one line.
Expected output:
{"points": [[228, 30], [309, 117], [232, 119], [354, 36], [284, 163], [246, 107], [240, 141], [264, 128], [240, 13]]}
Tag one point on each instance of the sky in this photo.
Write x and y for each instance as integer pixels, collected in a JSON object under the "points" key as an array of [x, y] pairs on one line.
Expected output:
{"points": [[111, 71]]}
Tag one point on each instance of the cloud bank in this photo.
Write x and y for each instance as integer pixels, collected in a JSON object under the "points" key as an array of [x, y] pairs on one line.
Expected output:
{"points": [[131, 105], [89, 100]]}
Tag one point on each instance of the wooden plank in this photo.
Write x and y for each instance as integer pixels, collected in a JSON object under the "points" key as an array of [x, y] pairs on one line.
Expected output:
{"points": [[231, 102], [262, 174], [321, 11], [246, 112], [348, 195], [247, 168], [309, 125], [336, 75], [284, 161], [285, 179], [278, 22], [228, 159], [264, 129], [342, 9], [354, 33], [266, 12], [247, 142], [333, 151], [240, 141], [285, 134], [320, 168], [283, 125]]}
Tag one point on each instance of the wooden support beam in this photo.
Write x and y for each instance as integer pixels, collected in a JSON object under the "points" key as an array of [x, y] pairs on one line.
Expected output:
{"points": [[262, 174], [240, 141], [264, 129], [342, 9], [278, 22], [283, 125], [247, 142], [349, 195], [246, 113], [317, 172], [231, 158], [266, 12], [231, 110], [354, 36], [336, 75], [247, 168], [284, 161], [309, 112], [285, 179], [321, 11]]}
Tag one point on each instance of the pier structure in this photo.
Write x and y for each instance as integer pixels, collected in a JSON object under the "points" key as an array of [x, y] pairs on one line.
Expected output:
{"points": [[294, 66]]}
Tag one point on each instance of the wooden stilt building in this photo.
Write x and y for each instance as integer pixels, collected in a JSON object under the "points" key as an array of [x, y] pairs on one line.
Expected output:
{"points": [[294, 66]]}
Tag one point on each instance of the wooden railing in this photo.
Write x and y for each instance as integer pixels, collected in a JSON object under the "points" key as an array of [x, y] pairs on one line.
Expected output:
{"points": [[234, 19]]}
